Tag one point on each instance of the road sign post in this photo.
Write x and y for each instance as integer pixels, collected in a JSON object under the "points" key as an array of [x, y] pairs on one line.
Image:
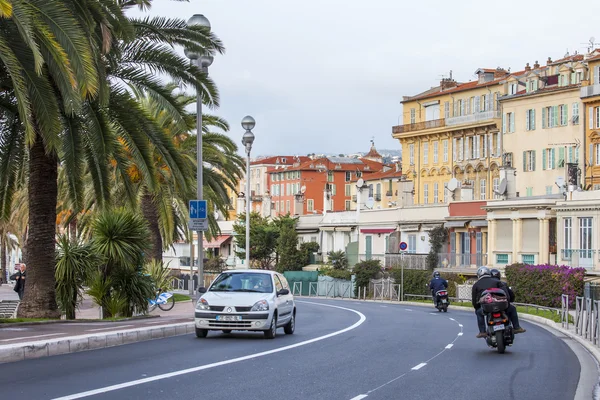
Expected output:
{"points": [[403, 247], [198, 223]]}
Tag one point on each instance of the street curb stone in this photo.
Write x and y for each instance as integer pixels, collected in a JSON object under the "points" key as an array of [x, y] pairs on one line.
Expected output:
{"points": [[74, 344]]}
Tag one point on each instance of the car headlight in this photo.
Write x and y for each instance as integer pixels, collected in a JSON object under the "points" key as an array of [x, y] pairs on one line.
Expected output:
{"points": [[202, 304], [261, 305]]}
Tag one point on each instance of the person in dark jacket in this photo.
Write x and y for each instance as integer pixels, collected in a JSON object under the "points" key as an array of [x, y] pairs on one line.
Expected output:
{"points": [[437, 283], [512, 310], [19, 277], [484, 282]]}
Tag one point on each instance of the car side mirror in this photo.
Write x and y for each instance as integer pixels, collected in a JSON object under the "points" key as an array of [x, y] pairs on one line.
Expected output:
{"points": [[283, 292], [202, 290]]}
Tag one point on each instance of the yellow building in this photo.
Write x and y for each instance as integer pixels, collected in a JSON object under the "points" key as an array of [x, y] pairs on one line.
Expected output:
{"points": [[590, 97], [453, 131], [382, 187]]}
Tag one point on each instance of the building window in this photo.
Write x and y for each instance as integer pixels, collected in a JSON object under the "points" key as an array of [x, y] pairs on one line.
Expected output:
{"points": [[426, 193], [502, 259], [585, 237], [282, 207], [435, 192], [530, 120], [287, 206], [347, 205], [482, 190], [413, 116], [329, 176], [508, 123], [310, 205], [435, 152], [348, 176], [575, 113], [529, 160], [412, 243], [528, 259], [548, 189], [548, 159], [445, 190], [477, 146], [564, 114], [425, 153], [567, 234], [529, 191], [597, 117], [411, 154], [512, 88], [332, 188], [460, 149], [447, 109], [445, 145], [348, 190], [496, 187], [597, 154]]}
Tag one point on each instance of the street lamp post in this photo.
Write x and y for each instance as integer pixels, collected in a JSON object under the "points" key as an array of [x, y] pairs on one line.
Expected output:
{"points": [[248, 124], [202, 61]]}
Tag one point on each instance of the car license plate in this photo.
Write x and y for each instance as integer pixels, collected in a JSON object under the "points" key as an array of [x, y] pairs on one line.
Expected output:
{"points": [[229, 318], [498, 327], [444, 301]]}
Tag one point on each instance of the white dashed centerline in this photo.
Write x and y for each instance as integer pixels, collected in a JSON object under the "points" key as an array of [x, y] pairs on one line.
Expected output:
{"points": [[408, 309], [449, 346], [418, 367], [359, 397], [460, 333]]}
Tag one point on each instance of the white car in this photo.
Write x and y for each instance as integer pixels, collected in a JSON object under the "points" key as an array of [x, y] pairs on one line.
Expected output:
{"points": [[246, 300]]}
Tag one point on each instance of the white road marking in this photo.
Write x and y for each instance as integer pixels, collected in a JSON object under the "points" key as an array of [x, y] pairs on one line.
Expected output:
{"points": [[460, 325], [408, 309], [110, 327], [220, 363], [460, 333], [451, 319], [31, 337], [384, 306], [433, 313], [418, 367], [449, 346], [359, 397]]}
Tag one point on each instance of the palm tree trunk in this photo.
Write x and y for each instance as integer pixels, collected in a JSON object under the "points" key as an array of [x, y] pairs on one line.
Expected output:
{"points": [[151, 215], [40, 299], [3, 260], [73, 229]]}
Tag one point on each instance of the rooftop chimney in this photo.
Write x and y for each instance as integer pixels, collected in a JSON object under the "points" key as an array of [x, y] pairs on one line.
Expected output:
{"points": [[527, 67], [536, 65], [549, 61], [500, 72]]}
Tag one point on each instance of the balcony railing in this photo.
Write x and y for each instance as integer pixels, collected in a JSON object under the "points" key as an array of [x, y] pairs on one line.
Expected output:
{"points": [[585, 258], [451, 260], [419, 126], [472, 118], [589, 91]]}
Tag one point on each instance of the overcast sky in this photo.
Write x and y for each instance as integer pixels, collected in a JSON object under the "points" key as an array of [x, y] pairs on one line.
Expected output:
{"points": [[327, 75]]}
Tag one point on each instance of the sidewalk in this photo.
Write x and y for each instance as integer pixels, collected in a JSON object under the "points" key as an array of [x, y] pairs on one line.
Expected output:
{"points": [[19, 341]]}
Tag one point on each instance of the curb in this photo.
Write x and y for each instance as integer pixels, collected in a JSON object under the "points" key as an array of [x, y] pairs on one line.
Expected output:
{"points": [[74, 344], [71, 321]]}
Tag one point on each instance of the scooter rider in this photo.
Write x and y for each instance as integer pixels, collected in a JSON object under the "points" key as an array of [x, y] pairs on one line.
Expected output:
{"points": [[484, 282], [512, 310], [436, 284]]}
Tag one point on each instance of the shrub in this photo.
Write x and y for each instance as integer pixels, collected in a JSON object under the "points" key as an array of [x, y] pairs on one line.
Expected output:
{"points": [[336, 273], [338, 259], [417, 281], [306, 250], [215, 265], [365, 271], [544, 284]]}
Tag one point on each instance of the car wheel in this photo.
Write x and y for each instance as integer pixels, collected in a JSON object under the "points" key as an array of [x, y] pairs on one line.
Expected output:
{"points": [[290, 326], [226, 330], [272, 331], [201, 333]]}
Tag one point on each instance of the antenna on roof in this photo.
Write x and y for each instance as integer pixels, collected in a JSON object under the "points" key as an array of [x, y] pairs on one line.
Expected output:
{"points": [[591, 44], [450, 74]]}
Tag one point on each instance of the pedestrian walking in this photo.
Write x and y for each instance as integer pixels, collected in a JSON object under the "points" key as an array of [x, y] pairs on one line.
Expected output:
{"points": [[19, 278]]}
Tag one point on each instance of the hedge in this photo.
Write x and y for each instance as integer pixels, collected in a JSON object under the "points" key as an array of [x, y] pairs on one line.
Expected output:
{"points": [[544, 284], [365, 271], [345, 274], [417, 281]]}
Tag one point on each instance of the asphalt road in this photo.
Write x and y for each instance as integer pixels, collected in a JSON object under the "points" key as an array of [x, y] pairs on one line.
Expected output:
{"points": [[397, 352]]}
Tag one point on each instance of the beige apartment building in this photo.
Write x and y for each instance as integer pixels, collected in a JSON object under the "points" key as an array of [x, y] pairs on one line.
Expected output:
{"points": [[542, 125]]}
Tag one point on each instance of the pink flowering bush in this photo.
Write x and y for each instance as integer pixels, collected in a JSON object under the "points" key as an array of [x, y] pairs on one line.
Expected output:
{"points": [[544, 284]]}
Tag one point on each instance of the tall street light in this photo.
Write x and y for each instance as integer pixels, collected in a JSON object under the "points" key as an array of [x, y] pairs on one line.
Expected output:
{"points": [[248, 124], [201, 61]]}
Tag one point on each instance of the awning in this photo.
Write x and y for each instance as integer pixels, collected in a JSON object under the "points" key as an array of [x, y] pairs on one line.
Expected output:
{"points": [[378, 230], [428, 227], [216, 242], [479, 223], [409, 228], [307, 230], [456, 224]]}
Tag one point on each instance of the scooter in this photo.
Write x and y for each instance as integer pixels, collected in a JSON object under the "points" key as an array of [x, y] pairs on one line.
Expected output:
{"points": [[500, 331], [441, 297]]}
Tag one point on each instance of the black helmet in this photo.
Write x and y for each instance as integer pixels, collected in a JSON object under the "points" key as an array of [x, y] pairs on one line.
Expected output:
{"points": [[495, 273], [436, 274], [483, 271]]}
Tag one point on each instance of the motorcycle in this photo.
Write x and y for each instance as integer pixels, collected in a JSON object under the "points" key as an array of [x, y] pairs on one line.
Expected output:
{"points": [[441, 303], [500, 332]]}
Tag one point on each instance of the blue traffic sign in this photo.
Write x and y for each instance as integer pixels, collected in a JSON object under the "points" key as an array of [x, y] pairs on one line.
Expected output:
{"points": [[403, 246], [198, 209]]}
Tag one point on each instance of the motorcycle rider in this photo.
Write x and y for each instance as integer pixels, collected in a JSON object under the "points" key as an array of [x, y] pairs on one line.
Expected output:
{"points": [[512, 310], [484, 282], [436, 284]]}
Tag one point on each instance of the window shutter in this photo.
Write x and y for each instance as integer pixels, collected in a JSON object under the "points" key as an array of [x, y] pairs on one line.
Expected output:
{"points": [[533, 160], [573, 78], [466, 148], [561, 156], [504, 123], [556, 116], [454, 148], [544, 159], [512, 122], [596, 75], [544, 117], [498, 144], [463, 107], [591, 154], [527, 120], [570, 154], [477, 104], [455, 109], [533, 120], [591, 117], [577, 155], [565, 114], [524, 161], [553, 158], [485, 145]]}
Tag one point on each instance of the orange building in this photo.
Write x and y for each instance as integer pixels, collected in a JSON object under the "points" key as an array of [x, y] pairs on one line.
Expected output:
{"points": [[317, 186]]}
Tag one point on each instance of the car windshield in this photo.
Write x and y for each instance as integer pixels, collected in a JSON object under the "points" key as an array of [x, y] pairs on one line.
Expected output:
{"points": [[251, 282]]}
